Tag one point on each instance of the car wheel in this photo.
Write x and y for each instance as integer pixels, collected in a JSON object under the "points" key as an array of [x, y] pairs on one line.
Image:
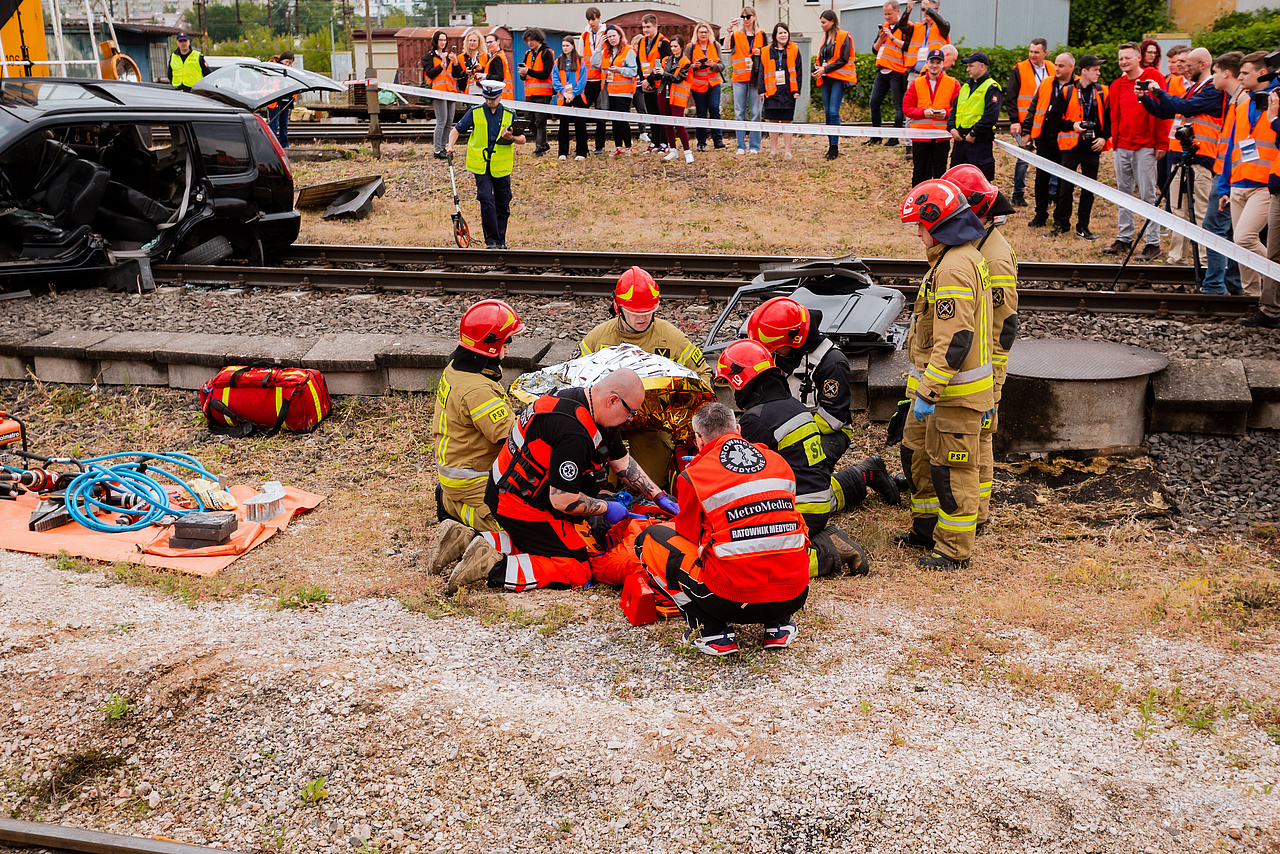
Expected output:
{"points": [[207, 253]]}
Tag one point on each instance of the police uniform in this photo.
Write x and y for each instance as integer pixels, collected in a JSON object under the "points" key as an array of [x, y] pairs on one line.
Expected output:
{"points": [[555, 443], [1003, 267], [651, 449], [473, 419], [949, 344]]}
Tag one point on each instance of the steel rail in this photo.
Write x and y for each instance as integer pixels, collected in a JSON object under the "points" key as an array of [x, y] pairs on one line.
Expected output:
{"points": [[506, 281], [63, 838], [1065, 273]]}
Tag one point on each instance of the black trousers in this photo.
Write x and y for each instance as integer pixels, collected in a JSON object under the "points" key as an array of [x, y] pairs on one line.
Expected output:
{"points": [[579, 131], [1048, 149], [928, 159], [977, 153], [621, 130], [651, 106], [494, 195], [539, 123], [592, 96], [894, 82], [1084, 160]]}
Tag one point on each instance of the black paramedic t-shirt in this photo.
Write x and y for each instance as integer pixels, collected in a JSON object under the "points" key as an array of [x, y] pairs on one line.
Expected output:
{"points": [[572, 448]]}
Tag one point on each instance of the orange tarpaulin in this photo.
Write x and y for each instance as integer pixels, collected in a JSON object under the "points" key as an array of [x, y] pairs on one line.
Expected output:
{"points": [[150, 545]]}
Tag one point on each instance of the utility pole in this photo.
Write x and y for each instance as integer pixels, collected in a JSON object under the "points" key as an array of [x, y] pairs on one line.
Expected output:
{"points": [[371, 87]]}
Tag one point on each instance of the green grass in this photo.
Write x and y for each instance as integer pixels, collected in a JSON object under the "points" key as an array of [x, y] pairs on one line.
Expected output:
{"points": [[305, 597], [116, 706]]}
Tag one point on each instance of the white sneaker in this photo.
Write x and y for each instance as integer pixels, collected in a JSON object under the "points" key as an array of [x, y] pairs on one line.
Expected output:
{"points": [[565, 157], [627, 152], [741, 151], [754, 151], [579, 157], [688, 155], [477, 560], [644, 137], [671, 155]]}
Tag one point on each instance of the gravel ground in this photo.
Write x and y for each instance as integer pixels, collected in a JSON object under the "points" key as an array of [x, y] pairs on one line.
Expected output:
{"points": [[453, 735], [1226, 481]]}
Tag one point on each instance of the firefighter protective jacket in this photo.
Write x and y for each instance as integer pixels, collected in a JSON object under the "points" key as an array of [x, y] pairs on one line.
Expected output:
{"points": [[949, 342], [737, 502], [775, 419], [1003, 267], [473, 418], [819, 379], [661, 338]]}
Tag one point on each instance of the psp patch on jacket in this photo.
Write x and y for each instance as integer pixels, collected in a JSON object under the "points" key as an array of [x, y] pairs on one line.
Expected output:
{"points": [[741, 457], [946, 308]]}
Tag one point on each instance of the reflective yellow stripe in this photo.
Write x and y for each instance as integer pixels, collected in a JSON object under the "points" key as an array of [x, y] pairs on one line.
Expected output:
{"points": [[962, 389], [813, 563], [454, 483], [279, 400], [953, 292], [927, 508], [815, 507], [999, 358], [942, 375], [1004, 280], [485, 407], [798, 435], [957, 523], [984, 489]]}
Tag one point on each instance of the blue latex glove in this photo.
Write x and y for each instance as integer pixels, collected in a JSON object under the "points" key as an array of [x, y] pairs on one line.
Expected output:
{"points": [[923, 409], [666, 504], [989, 414], [615, 512]]}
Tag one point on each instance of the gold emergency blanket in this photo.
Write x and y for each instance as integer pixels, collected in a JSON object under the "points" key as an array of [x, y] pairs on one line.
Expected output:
{"points": [[672, 391]]}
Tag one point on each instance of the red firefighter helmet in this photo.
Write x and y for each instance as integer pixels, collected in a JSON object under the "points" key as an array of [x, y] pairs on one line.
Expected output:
{"points": [[487, 325], [742, 361], [980, 192], [779, 322], [933, 202], [636, 291]]}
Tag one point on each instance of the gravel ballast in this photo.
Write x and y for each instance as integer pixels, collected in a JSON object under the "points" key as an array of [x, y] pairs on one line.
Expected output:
{"points": [[452, 735]]}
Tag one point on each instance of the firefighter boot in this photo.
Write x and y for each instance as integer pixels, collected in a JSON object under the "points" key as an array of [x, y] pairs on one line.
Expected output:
{"points": [[451, 540], [938, 561], [824, 557], [854, 558], [920, 536], [477, 561], [876, 476]]}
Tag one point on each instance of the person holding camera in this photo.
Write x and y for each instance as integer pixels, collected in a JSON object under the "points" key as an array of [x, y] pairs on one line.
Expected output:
{"points": [[1246, 150], [474, 61], [1046, 138], [491, 158], [1079, 117], [1138, 139], [1197, 116], [535, 70], [443, 73]]}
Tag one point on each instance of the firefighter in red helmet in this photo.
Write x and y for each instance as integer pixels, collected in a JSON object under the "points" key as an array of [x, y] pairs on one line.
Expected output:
{"points": [[635, 305], [949, 345], [472, 419], [818, 376]]}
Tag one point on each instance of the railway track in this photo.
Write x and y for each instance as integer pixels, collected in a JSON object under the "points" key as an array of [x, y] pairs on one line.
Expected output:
{"points": [[1052, 286], [56, 837]]}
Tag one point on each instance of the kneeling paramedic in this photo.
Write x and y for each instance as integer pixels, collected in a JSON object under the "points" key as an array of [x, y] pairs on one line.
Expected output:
{"points": [[543, 482], [472, 421], [949, 344], [773, 418], [737, 550], [635, 305], [818, 376], [491, 158]]}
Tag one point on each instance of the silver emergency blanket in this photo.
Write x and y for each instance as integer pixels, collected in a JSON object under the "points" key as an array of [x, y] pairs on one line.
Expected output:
{"points": [[672, 391]]}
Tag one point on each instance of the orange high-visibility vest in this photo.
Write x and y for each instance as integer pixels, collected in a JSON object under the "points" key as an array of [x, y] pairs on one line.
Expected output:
{"points": [[740, 67], [444, 82], [771, 69], [647, 54], [508, 85], [1068, 138], [588, 48], [1044, 95], [1237, 130], [702, 79], [891, 56], [846, 73], [1028, 88], [940, 97], [678, 95], [618, 85], [533, 87], [1205, 129], [924, 33], [563, 71]]}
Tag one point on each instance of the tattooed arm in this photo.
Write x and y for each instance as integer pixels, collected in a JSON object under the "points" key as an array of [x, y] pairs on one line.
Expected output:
{"points": [[629, 472], [576, 504]]}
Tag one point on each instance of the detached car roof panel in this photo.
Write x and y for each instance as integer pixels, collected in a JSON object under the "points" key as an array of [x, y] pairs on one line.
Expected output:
{"points": [[253, 85], [28, 98]]}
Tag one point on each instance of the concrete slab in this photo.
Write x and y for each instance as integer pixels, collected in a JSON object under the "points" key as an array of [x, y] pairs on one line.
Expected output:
{"points": [[527, 352], [349, 352], [218, 351], [362, 383], [1200, 396], [12, 365], [130, 346], [886, 383], [130, 373], [52, 369], [64, 344], [1263, 376], [190, 376], [416, 352], [198, 348], [414, 379], [560, 350], [859, 367]]}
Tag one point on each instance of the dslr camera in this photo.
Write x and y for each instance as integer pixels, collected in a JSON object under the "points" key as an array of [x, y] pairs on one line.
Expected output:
{"points": [[1186, 137], [1089, 134]]}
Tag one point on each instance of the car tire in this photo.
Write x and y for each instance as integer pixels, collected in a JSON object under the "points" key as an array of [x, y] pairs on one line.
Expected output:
{"points": [[210, 252]]}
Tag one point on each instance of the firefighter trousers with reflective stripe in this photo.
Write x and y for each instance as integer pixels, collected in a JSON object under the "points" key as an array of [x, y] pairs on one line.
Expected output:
{"points": [[915, 465], [987, 468], [952, 444], [674, 565], [469, 509]]}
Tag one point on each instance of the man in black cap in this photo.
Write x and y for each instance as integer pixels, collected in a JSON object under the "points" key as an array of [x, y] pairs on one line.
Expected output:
{"points": [[186, 66], [928, 103], [972, 123]]}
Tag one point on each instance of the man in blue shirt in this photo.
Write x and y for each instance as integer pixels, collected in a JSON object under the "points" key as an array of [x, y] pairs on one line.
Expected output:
{"points": [[491, 158]]}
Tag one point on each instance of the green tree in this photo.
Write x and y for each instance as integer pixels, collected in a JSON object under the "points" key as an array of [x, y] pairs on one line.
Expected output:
{"points": [[1104, 21], [1242, 31]]}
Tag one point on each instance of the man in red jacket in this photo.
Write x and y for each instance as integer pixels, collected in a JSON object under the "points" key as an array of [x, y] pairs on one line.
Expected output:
{"points": [[737, 551], [1139, 140]]}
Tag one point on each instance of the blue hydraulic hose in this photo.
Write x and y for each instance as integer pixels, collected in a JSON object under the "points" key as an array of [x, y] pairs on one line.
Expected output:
{"points": [[128, 477]]}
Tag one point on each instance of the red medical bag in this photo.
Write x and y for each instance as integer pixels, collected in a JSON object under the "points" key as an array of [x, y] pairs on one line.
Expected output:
{"points": [[241, 400]]}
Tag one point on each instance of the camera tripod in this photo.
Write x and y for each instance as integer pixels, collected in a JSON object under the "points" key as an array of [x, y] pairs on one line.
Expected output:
{"points": [[1185, 169]]}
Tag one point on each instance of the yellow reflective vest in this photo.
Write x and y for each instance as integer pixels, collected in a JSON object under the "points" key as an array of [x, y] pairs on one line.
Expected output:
{"points": [[185, 71], [502, 159]]}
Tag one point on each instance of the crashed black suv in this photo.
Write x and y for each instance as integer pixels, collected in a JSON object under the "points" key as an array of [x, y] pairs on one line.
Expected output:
{"points": [[96, 173]]}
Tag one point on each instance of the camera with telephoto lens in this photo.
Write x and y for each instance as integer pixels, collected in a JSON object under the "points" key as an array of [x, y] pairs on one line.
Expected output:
{"points": [[1186, 136], [1273, 66], [1089, 133]]}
